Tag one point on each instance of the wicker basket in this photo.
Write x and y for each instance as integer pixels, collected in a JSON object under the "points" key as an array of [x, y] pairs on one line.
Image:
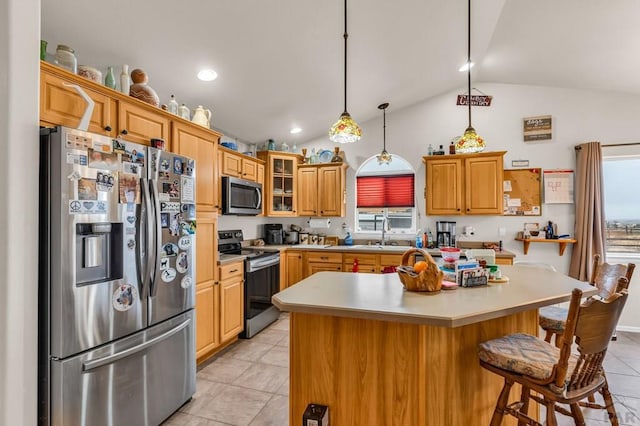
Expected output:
{"points": [[428, 280]]}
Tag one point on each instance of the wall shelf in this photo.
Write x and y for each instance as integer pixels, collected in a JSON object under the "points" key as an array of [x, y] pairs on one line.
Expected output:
{"points": [[562, 243]]}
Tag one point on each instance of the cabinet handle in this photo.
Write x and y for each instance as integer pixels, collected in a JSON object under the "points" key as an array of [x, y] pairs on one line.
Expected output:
{"points": [[233, 270], [324, 258], [107, 128], [124, 132], [321, 211], [468, 210]]}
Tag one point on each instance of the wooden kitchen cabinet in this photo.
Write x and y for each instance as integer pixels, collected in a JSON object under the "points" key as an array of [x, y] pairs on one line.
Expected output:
{"points": [[138, 124], [62, 105], [366, 262], [464, 184], [295, 270], [231, 300], [207, 287], [200, 144], [322, 190], [385, 260], [232, 163], [280, 189], [316, 261]]}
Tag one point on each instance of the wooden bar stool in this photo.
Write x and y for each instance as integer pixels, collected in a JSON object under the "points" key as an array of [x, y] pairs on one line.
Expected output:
{"points": [[605, 277], [556, 375]]}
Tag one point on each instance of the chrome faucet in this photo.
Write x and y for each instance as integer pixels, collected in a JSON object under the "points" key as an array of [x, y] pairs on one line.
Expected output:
{"points": [[385, 225]]}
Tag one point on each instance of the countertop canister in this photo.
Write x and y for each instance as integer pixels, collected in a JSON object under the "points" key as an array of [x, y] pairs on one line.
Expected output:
{"points": [[66, 58]]}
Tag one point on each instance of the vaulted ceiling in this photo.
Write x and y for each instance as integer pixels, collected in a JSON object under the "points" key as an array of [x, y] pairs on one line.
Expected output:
{"points": [[280, 62]]}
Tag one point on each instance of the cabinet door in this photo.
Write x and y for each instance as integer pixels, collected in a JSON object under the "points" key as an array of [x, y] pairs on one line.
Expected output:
{"points": [[483, 192], [199, 145], [294, 268], [231, 308], [308, 191], [444, 187], [282, 198], [249, 170], [62, 105], [391, 260], [206, 248], [331, 191], [140, 125], [313, 267], [231, 164], [206, 320]]}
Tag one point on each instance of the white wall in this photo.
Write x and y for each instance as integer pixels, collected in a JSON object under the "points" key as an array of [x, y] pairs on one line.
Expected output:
{"points": [[578, 116], [19, 76]]}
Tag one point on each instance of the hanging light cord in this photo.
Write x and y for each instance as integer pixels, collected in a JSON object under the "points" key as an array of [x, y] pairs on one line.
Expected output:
{"points": [[384, 128], [468, 58], [346, 35]]}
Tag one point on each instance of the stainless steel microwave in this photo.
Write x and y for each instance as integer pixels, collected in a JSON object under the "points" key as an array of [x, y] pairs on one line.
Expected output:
{"points": [[241, 197]]}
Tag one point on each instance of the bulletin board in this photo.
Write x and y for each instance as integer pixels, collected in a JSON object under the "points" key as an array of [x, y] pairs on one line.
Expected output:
{"points": [[522, 192]]}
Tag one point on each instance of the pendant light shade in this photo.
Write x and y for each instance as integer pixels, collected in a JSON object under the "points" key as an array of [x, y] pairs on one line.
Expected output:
{"points": [[470, 141], [384, 157], [345, 130]]}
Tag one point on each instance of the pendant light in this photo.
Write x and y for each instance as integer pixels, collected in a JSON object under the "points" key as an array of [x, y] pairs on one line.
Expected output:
{"points": [[345, 130], [384, 157], [470, 141]]}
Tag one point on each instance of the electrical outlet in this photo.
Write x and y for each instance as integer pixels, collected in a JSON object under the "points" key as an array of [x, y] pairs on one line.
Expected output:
{"points": [[502, 231]]}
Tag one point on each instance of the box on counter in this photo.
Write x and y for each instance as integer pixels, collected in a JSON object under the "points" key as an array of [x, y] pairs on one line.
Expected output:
{"points": [[473, 277]]}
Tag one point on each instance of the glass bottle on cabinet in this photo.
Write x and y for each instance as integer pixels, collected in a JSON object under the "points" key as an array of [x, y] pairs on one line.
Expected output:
{"points": [[280, 184]]}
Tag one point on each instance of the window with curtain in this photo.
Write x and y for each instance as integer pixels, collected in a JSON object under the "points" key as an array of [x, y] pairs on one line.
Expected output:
{"points": [[385, 191], [622, 204]]}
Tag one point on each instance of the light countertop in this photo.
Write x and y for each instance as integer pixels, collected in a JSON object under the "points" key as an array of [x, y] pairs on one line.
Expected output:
{"points": [[382, 297], [360, 249]]}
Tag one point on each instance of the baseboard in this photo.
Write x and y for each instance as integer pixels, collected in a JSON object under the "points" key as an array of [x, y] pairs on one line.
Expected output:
{"points": [[628, 329]]}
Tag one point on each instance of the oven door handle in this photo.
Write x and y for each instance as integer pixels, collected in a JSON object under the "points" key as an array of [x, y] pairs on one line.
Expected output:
{"points": [[258, 264]]}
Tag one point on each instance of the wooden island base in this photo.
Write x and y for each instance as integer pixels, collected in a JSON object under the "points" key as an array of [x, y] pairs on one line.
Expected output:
{"points": [[373, 372]]}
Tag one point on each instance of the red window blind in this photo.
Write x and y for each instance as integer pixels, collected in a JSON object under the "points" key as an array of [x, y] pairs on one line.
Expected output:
{"points": [[385, 191]]}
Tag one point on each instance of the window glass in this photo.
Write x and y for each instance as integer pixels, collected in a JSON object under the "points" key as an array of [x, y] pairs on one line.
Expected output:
{"points": [[622, 204], [395, 181]]}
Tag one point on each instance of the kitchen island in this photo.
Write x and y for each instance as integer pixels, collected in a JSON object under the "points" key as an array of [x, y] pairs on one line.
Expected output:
{"points": [[376, 354]]}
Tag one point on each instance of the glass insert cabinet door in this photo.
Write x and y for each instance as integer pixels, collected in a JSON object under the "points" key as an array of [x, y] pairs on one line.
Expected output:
{"points": [[281, 193]]}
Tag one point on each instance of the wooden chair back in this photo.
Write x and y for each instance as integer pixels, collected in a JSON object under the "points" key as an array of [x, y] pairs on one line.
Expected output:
{"points": [[591, 325], [605, 276]]}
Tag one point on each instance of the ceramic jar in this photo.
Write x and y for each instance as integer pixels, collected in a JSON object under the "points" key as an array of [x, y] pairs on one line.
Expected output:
{"points": [[90, 73], [184, 112], [66, 58], [140, 90], [201, 116]]}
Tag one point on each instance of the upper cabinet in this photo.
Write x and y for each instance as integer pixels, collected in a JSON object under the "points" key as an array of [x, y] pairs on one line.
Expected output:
{"points": [[322, 189], [138, 124], [114, 113], [280, 192], [464, 184], [62, 105], [232, 163], [200, 144]]}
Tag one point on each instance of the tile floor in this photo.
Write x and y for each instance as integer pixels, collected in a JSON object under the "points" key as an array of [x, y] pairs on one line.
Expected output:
{"points": [[248, 384]]}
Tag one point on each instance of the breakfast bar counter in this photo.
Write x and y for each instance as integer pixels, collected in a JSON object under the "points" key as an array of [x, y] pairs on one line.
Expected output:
{"points": [[376, 354]]}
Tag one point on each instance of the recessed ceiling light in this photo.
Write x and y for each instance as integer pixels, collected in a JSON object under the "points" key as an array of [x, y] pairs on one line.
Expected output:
{"points": [[207, 75], [295, 130], [466, 67]]}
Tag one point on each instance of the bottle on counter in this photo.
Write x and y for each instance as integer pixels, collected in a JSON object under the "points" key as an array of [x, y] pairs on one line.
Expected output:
{"points": [[429, 238], [430, 150], [440, 151], [419, 239], [348, 240], [125, 81], [110, 79], [173, 105], [452, 148]]}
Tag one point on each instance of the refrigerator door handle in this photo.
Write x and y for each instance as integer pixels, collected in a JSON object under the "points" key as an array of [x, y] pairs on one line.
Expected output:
{"points": [[97, 363], [149, 241], [158, 234]]}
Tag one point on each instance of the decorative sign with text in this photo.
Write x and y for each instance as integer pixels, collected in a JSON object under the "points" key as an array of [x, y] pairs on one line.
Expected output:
{"points": [[476, 100], [537, 128]]}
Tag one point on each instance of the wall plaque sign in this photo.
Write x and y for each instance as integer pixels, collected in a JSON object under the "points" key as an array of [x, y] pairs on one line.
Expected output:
{"points": [[537, 128]]}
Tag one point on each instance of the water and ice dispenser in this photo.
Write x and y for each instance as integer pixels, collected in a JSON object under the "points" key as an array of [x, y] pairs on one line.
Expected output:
{"points": [[98, 252]]}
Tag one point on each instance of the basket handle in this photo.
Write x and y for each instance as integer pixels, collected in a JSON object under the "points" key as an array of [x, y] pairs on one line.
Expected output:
{"points": [[424, 253]]}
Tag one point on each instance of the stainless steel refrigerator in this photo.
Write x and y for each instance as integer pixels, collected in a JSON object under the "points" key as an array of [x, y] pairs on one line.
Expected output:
{"points": [[117, 276]]}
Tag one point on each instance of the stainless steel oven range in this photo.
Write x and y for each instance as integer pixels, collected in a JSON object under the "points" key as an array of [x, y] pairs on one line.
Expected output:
{"points": [[261, 281]]}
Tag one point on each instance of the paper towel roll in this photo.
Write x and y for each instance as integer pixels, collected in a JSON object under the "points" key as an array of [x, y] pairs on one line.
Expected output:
{"points": [[319, 223]]}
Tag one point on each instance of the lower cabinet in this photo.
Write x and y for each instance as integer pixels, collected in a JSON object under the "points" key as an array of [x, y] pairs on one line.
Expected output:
{"points": [[317, 261], [231, 300], [295, 271], [207, 323], [366, 262]]}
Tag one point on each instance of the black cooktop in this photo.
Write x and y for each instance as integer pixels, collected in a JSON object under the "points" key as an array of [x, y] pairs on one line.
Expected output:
{"points": [[230, 242]]}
